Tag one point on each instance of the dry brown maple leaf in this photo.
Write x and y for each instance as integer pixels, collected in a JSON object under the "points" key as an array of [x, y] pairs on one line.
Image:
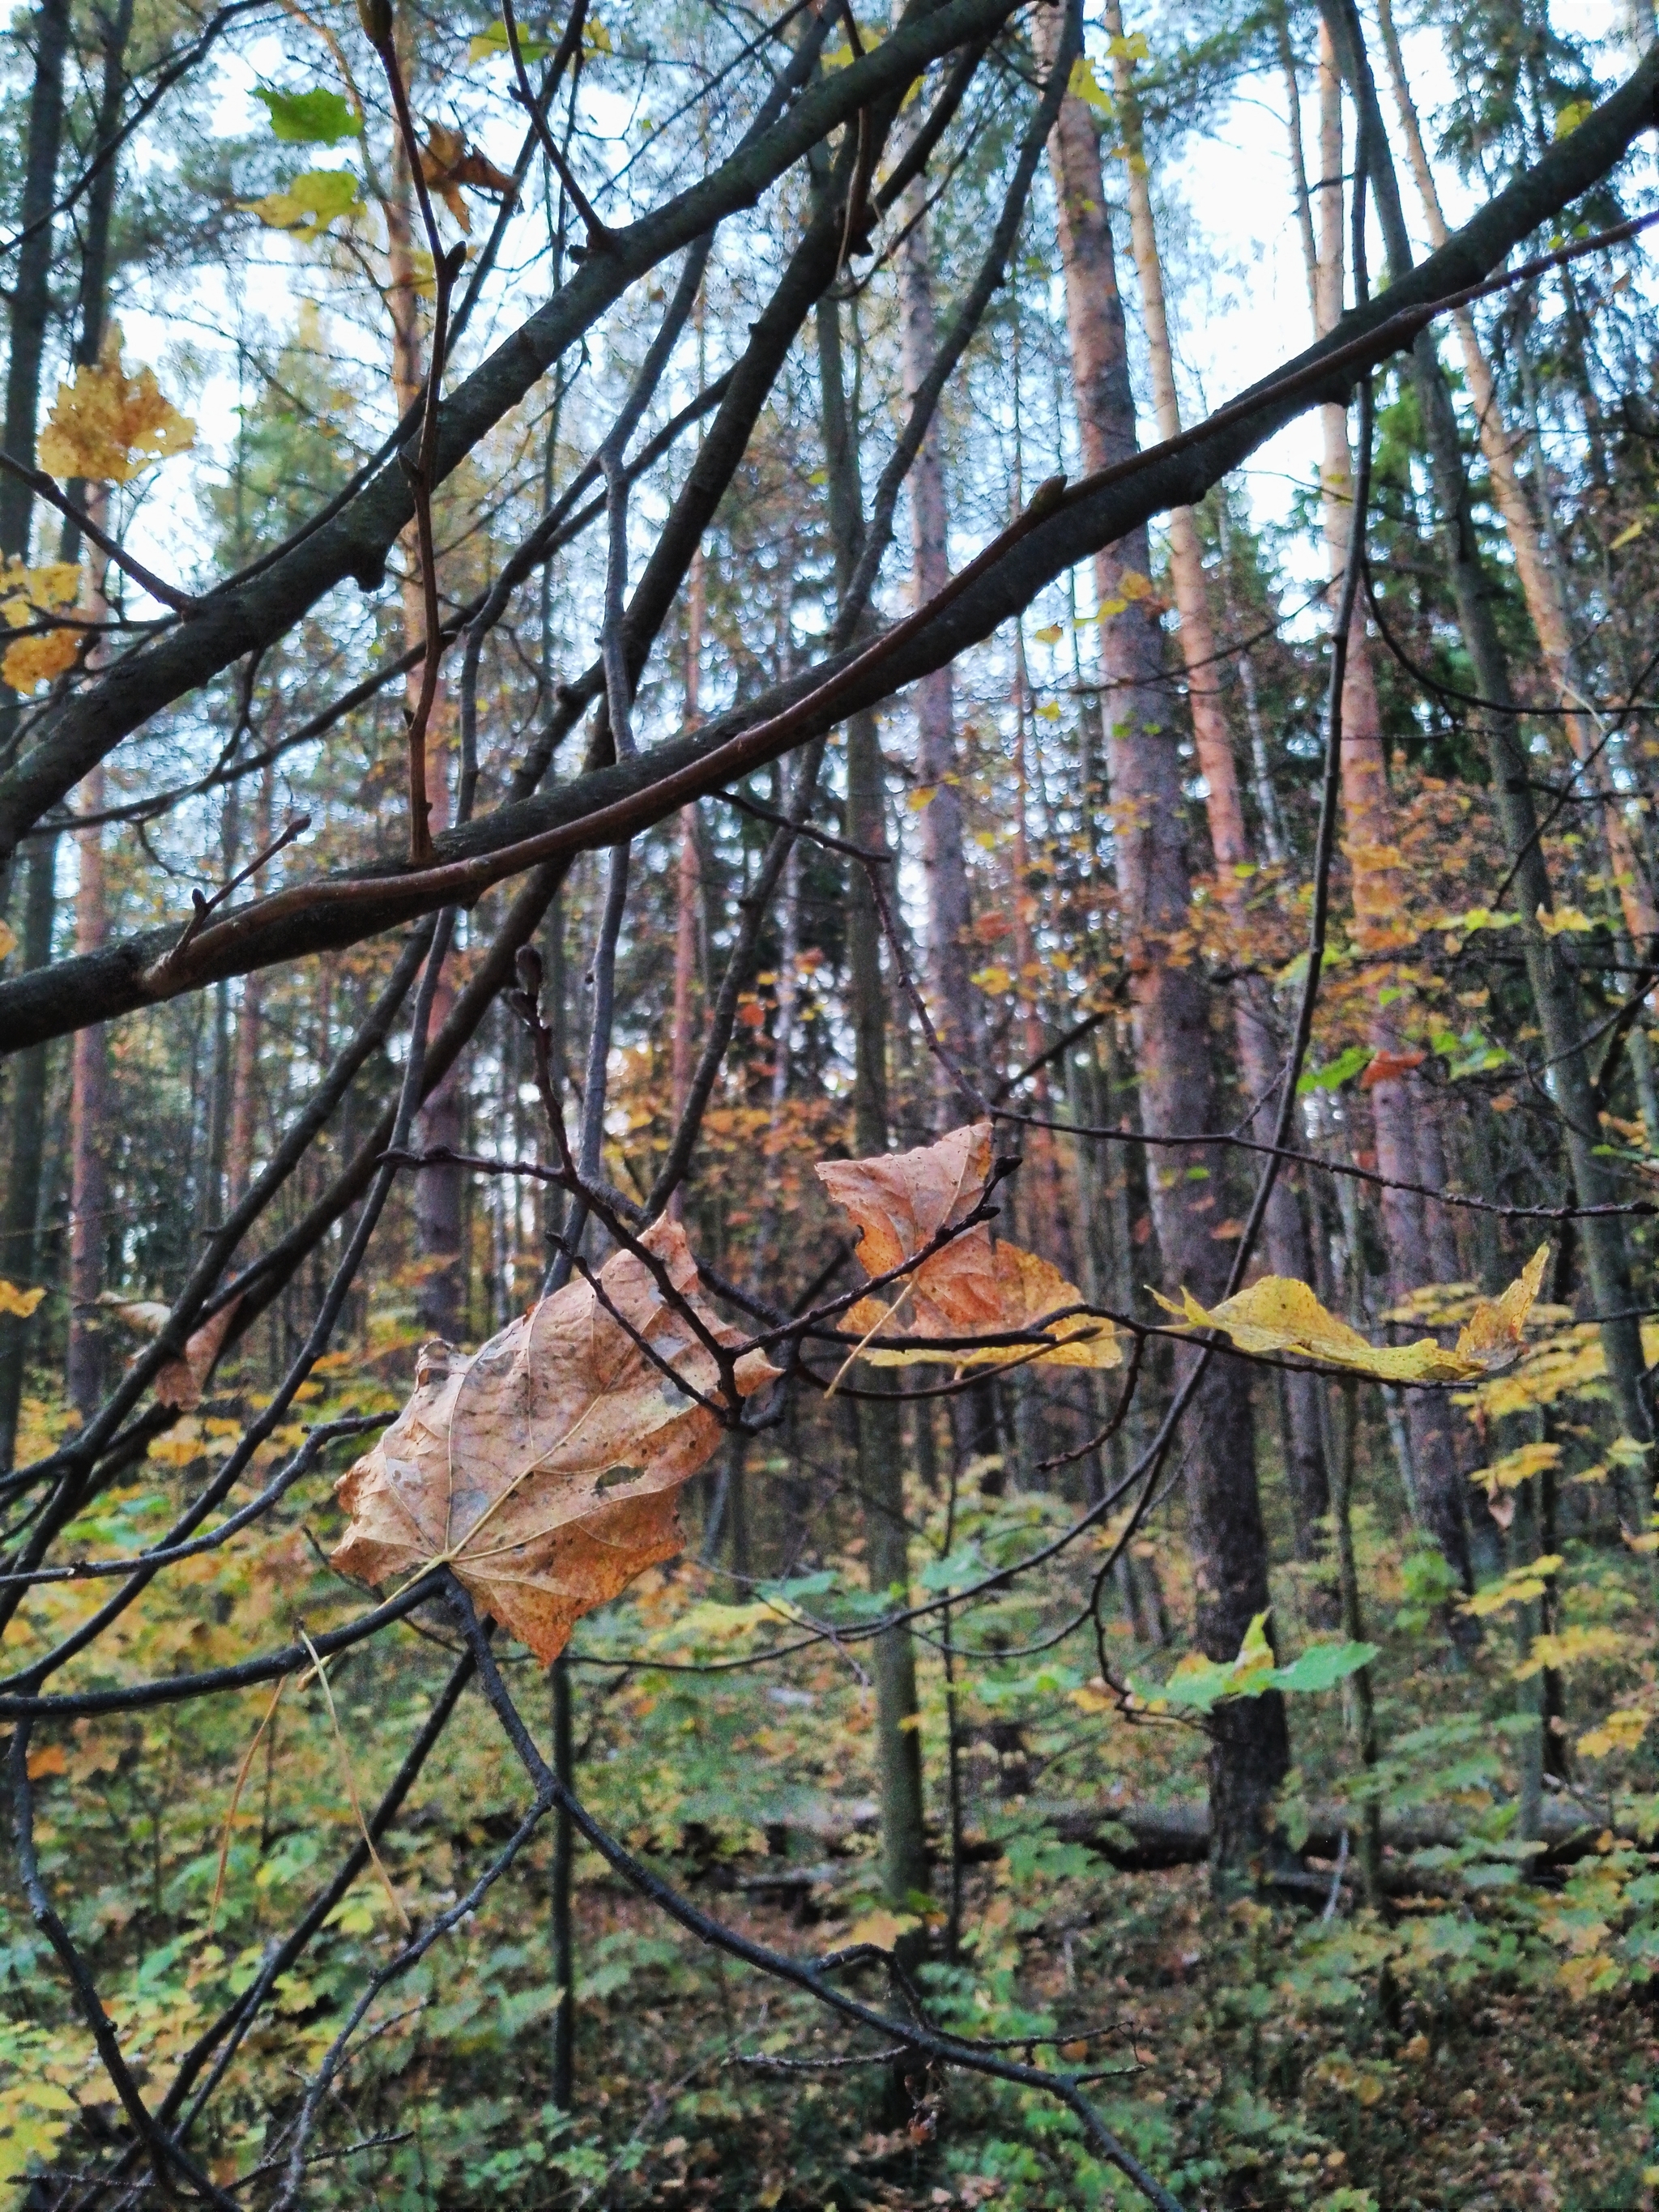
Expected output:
{"points": [[447, 163], [546, 1468], [182, 1381], [970, 1286]]}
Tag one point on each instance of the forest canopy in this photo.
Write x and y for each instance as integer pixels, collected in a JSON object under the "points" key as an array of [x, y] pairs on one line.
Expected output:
{"points": [[828, 960]]}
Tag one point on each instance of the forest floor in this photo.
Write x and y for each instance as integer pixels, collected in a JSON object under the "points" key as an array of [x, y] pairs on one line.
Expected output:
{"points": [[1482, 2094]]}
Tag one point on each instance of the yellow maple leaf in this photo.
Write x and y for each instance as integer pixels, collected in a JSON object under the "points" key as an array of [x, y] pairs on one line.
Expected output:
{"points": [[109, 426], [1278, 1314], [30, 661], [1491, 1335], [21, 1303], [1519, 1587], [1620, 1732], [1570, 1647]]}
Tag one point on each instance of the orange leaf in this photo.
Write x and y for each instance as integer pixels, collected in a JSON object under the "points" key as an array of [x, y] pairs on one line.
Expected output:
{"points": [[970, 1287], [545, 1469], [50, 1758], [447, 163], [1387, 1066], [181, 1381]]}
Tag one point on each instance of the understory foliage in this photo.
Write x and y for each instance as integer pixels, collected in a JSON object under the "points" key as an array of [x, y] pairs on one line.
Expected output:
{"points": [[826, 1317]]}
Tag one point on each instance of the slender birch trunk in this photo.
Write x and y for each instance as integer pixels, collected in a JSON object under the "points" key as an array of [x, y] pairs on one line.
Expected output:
{"points": [[1250, 1747], [29, 303], [689, 881], [1260, 1058]]}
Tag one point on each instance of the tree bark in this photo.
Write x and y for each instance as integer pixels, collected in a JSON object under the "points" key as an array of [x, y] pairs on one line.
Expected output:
{"points": [[19, 1255], [441, 1300], [88, 1135], [1566, 1057], [1541, 583], [1401, 1103], [245, 1066], [1250, 1748], [30, 304], [1260, 1060], [880, 1442]]}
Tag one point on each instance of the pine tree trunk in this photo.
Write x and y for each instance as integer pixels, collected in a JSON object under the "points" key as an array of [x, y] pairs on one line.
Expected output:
{"points": [[1401, 1103], [1260, 1060], [1555, 993], [1540, 576], [1250, 1749]]}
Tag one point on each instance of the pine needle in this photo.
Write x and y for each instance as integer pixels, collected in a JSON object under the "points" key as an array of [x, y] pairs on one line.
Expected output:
{"points": [[350, 1780], [242, 1772]]}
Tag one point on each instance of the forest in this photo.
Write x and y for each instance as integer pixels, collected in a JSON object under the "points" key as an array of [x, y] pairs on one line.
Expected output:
{"points": [[830, 1105]]}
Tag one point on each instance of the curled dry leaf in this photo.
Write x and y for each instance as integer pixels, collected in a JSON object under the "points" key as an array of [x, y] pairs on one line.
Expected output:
{"points": [[546, 1468], [448, 163], [1279, 1315], [181, 1381], [970, 1287]]}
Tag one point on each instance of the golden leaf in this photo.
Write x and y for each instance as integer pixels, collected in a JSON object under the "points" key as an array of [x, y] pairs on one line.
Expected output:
{"points": [[970, 1287], [21, 1303], [545, 1468], [109, 426], [29, 661], [1491, 1335], [1278, 1314], [8, 940], [1621, 1731]]}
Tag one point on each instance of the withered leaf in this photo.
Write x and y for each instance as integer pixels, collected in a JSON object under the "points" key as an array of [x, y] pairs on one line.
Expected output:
{"points": [[448, 163], [971, 1286], [181, 1381], [546, 1468], [1279, 1315]]}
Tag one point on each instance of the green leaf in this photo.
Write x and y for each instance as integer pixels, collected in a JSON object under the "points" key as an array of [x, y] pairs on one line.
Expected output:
{"points": [[316, 117], [487, 44], [310, 203], [1322, 1666], [1336, 1073]]}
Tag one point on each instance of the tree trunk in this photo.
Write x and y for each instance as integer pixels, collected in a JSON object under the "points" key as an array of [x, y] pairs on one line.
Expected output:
{"points": [[245, 1067], [1554, 990], [880, 1436], [1540, 580], [19, 1255], [89, 1134], [30, 303], [1260, 1060], [1250, 1748], [938, 771], [441, 1299], [1382, 903], [688, 885]]}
